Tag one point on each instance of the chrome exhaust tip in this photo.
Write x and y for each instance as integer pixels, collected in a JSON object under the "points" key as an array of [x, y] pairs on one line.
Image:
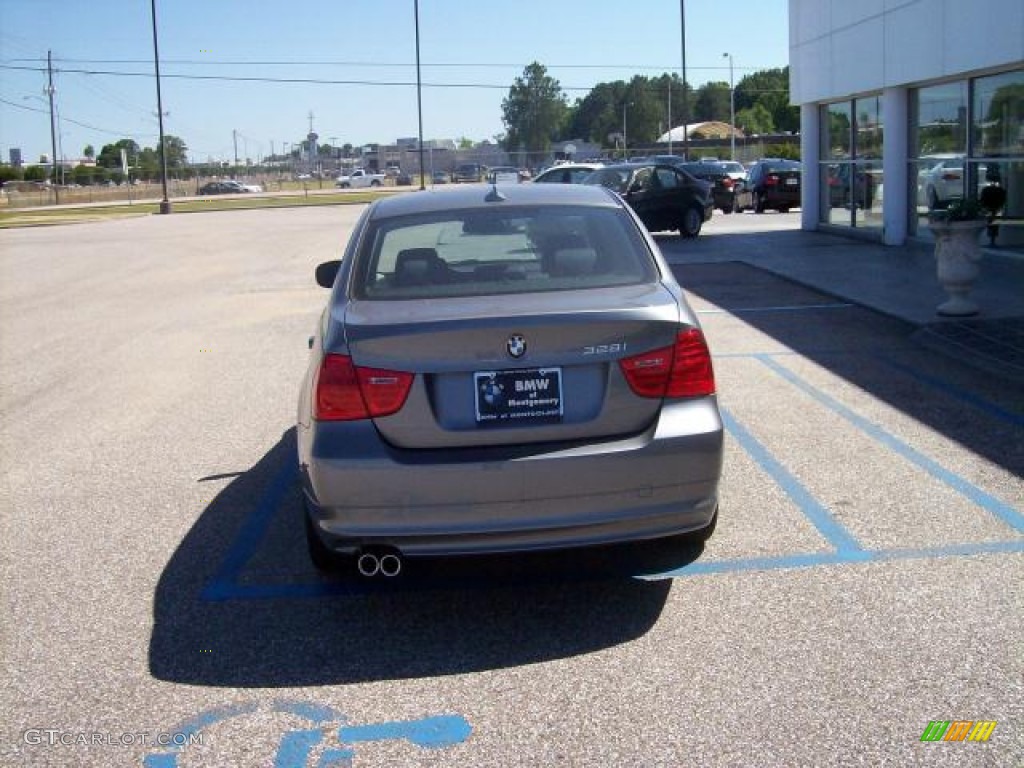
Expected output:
{"points": [[368, 564], [390, 564]]}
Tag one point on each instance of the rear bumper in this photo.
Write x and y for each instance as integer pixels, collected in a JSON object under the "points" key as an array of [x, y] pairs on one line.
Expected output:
{"points": [[663, 482]]}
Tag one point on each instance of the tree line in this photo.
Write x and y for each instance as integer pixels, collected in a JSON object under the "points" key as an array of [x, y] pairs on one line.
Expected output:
{"points": [[537, 112]]}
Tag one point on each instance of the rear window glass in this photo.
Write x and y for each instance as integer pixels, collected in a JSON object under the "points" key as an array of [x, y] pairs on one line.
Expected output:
{"points": [[479, 252]]}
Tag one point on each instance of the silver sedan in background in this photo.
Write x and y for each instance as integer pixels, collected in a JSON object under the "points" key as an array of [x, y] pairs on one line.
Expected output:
{"points": [[504, 370]]}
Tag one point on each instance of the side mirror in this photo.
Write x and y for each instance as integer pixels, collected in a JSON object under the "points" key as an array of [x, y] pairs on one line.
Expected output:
{"points": [[327, 272]]}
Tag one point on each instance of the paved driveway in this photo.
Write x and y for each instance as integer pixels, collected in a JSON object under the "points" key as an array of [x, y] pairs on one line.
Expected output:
{"points": [[158, 607]]}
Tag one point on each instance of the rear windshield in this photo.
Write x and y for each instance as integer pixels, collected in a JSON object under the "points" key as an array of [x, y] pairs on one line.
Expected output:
{"points": [[481, 252]]}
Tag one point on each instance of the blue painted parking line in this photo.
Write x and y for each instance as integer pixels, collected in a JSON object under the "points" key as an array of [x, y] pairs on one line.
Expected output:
{"points": [[990, 503], [812, 559], [847, 550], [223, 586], [1017, 419], [814, 510]]}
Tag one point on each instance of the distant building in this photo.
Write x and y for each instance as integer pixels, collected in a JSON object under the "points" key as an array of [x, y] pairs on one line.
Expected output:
{"points": [[15, 154]]}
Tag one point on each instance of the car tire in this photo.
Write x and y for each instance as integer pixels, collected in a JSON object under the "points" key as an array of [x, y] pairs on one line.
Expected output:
{"points": [[736, 207], [758, 203], [691, 222], [374, 183], [784, 209], [933, 199], [324, 559], [728, 209], [345, 185]]}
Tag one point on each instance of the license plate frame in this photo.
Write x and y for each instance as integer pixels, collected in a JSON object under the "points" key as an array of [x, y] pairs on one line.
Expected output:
{"points": [[518, 396]]}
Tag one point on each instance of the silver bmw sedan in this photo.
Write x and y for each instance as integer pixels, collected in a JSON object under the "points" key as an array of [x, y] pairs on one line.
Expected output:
{"points": [[503, 369]]}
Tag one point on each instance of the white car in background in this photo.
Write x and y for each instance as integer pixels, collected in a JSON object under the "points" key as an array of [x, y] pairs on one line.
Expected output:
{"points": [[566, 173]]}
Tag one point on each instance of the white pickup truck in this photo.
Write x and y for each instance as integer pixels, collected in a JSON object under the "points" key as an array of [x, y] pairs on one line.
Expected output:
{"points": [[360, 178]]}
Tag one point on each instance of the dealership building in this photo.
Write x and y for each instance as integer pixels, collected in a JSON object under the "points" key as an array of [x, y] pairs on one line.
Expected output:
{"points": [[904, 106]]}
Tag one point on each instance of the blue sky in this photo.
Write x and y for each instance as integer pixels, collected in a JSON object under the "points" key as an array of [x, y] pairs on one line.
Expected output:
{"points": [[471, 52]]}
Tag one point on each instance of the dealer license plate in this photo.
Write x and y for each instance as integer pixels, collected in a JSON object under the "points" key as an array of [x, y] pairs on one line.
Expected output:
{"points": [[525, 395]]}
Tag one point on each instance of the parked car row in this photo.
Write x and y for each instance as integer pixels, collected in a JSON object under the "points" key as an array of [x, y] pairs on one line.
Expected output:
{"points": [[228, 187]]}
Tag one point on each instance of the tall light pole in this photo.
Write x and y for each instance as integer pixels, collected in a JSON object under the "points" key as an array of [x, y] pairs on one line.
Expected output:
{"points": [[732, 110], [686, 107], [419, 96], [625, 152], [165, 204]]}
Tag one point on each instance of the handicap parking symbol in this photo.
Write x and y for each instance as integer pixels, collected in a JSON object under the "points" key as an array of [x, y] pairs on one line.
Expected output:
{"points": [[328, 742]]}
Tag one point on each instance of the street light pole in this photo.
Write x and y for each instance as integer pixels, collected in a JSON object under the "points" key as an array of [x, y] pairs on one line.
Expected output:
{"points": [[625, 152], [419, 96], [686, 106], [165, 204], [732, 110]]}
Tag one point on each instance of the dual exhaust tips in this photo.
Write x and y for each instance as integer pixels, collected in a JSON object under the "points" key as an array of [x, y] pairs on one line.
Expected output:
{"points": [[379, 562]]}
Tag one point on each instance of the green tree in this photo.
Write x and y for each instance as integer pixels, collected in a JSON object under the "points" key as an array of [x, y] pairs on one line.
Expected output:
{"points": [[35, 173], [755, 120], [712, 103], [89, 152], [770, 88], [110, 155], [148, 164], [83, 174], [534, 111], [10, 173], [177, 152]]}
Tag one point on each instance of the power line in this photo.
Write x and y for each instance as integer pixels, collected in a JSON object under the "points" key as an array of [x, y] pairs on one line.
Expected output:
{"points": [[299, 80], [382, 64], [65, 119]]}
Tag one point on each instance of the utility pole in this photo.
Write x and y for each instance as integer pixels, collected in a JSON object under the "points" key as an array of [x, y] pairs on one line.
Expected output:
{"points": [[53, 128], [234, 139]]}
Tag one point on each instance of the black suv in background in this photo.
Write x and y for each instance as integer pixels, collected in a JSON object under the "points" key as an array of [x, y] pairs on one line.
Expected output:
{"points": [[663, 196], [771, 183]]}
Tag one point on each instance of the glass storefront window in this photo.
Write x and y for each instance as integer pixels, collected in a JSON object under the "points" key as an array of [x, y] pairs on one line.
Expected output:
{"points": [[837, 133], [851, 170], [947, 163], [941, 120], [998, 115]]}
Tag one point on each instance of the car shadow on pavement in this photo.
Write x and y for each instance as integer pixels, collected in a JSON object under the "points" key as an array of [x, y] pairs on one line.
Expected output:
{"points": [[239, 604], [872, 351]]}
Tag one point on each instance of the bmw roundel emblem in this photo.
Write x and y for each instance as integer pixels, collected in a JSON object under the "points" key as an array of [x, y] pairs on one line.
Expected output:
{"points": [[516, 345]]}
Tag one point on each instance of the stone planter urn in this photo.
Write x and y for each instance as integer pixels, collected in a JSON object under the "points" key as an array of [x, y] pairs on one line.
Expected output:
{"points": [[957, 252]]}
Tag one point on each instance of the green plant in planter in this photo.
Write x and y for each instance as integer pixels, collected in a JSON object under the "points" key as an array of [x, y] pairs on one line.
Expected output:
{"points": [[968, 209], [959, 209]]}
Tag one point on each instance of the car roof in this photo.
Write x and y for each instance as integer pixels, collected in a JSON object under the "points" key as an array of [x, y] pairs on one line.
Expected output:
{"points": [[462, 197]]}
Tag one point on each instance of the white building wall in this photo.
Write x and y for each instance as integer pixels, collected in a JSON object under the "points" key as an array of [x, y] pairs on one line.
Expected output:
{"points": [[839, 48]]}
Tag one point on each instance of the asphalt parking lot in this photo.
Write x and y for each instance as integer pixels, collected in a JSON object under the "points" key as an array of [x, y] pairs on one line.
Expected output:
{"points": [[159, 609]]}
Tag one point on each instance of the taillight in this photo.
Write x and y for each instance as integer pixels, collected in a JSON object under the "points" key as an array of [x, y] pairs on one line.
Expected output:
{"points": [[681, 370], [727, 183], [771, 181], [347, 392]]}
